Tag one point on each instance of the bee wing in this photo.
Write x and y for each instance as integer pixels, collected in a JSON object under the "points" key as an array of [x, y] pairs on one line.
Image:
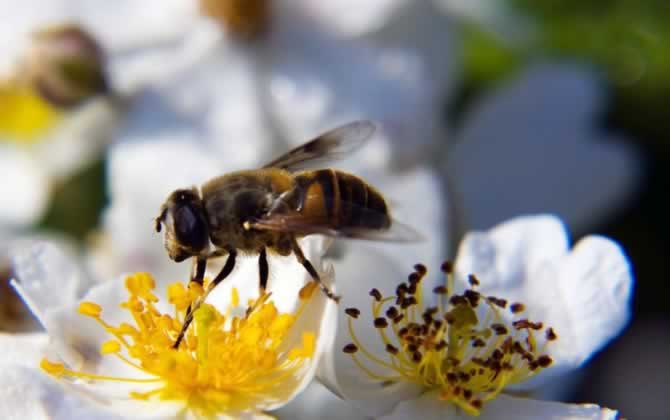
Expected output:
{"points": [[308, 225], [331, 145]]}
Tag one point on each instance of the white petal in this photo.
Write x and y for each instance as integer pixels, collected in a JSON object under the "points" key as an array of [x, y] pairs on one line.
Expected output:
{"points": [[48, 278], [392, 85], [24, 199], [503, 257], [79, 138], [30, 394], [318, 402], [532, 146], [23, 349], [428, 407], [351, 18], [586, 297], [357, 273]]}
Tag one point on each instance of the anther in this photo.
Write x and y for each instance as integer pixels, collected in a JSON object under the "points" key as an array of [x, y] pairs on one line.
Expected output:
{"points": [[392, 312], [381, 323], [350, 348], [417, 356], [472, 297], [398, 318], [502, 303], [392, 349], [544, 361], [440, 290], [447, 267], [414, 278], [551, 334], [499, 329], [376, 294], [516, 308], [352, 312], [467, 394], [421, 269], [472, 279]]}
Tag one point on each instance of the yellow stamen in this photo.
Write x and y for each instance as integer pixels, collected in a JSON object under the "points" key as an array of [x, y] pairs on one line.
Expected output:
{"points": [[448, 347], [24, 115], [223, 363]]}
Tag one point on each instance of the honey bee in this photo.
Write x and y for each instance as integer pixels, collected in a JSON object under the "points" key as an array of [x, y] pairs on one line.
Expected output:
{"points": [[266, 210]]}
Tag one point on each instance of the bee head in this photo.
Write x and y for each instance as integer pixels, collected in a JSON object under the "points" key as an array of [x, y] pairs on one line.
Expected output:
{"points": [[186, 232]]}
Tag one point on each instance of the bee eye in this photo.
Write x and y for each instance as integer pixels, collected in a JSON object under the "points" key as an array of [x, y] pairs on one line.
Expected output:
{"points": [[190, 227]]}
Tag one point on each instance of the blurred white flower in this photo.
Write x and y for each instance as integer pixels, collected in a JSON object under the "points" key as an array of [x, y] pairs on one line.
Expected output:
{"points": [[105, 360], [518, 309], [534, 145]]}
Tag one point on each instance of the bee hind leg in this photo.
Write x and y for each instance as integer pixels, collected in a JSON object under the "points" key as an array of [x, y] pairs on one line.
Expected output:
{"points": [[312, 272]]}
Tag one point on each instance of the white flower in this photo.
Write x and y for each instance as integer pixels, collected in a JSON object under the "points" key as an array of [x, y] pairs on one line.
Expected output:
{"points": [[107, 361], [518, 308], [534, 145]]}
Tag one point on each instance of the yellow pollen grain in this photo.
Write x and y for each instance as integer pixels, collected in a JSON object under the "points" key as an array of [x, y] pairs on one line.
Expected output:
{"points": [[221, 361], [308, 290], [90, 309]]}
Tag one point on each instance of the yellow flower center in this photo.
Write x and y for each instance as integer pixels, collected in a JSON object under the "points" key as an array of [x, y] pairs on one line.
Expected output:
{"points": [[462, 346], [226, 363], [24, 115]]}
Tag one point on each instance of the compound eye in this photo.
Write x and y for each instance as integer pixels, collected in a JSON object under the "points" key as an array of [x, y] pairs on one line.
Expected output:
{"points": [[190, 227]]}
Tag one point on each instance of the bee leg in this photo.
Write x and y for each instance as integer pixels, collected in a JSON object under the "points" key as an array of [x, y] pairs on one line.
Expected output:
{"points": [[310, 269], [263, 273], [225, 271], [198, 276]]}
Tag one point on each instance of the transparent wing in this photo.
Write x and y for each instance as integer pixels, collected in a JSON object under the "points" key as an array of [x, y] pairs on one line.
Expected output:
{"points": [[308, 225], [329, 146]]}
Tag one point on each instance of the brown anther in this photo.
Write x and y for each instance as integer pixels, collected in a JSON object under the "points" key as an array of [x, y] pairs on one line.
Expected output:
{"points": [[476, 404], [447, 267], [381, 323], [437, 324], [467, 394], [414, 278], [526, 324], [544, 361], [412, 288], [515, 308], [452, 378], [533, 365], [401, 290], [403, 332], [417, 356], [499, 329], [458, 300], [472, 279], [376, 294], [421, 269], [551, 334], [456, 391], [352, 312], [412, 348], [440, 290], [392, 312], [350, 348], [391, 349], [478, 342], [472, 297], [449, 318], [441, 345], [411, 301], [502, 303], [497, 354], [398, 318]]}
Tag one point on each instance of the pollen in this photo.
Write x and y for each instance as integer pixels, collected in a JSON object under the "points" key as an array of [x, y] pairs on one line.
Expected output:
{"points": [[225, 364], [467, 347]]}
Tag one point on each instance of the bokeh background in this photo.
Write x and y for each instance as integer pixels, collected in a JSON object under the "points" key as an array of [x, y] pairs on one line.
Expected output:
{"points": [[474, 49]]}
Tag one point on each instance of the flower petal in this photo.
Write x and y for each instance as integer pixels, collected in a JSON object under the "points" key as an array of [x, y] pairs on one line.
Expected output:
{"points": [[533, 146], [504, 256], [429, 407], [318, 402], [23, 349], [24, 199]]}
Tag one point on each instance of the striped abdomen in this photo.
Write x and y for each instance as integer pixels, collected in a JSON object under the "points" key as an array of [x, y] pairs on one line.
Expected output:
{"points": [[345, 200]]}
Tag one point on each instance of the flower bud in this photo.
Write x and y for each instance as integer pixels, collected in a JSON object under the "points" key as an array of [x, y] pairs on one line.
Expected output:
{"points": [[65, 65], [243, 18]]}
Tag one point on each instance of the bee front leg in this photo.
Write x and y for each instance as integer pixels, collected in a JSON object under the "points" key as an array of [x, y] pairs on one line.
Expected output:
{"points": [[225, 271], [310, 269]]}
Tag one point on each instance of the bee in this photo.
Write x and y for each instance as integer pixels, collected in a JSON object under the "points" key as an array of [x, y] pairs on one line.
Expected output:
{"points": [[266, 210]]}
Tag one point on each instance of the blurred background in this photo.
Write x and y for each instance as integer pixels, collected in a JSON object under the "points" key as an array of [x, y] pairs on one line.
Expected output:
{"points": [[518, 106]]}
